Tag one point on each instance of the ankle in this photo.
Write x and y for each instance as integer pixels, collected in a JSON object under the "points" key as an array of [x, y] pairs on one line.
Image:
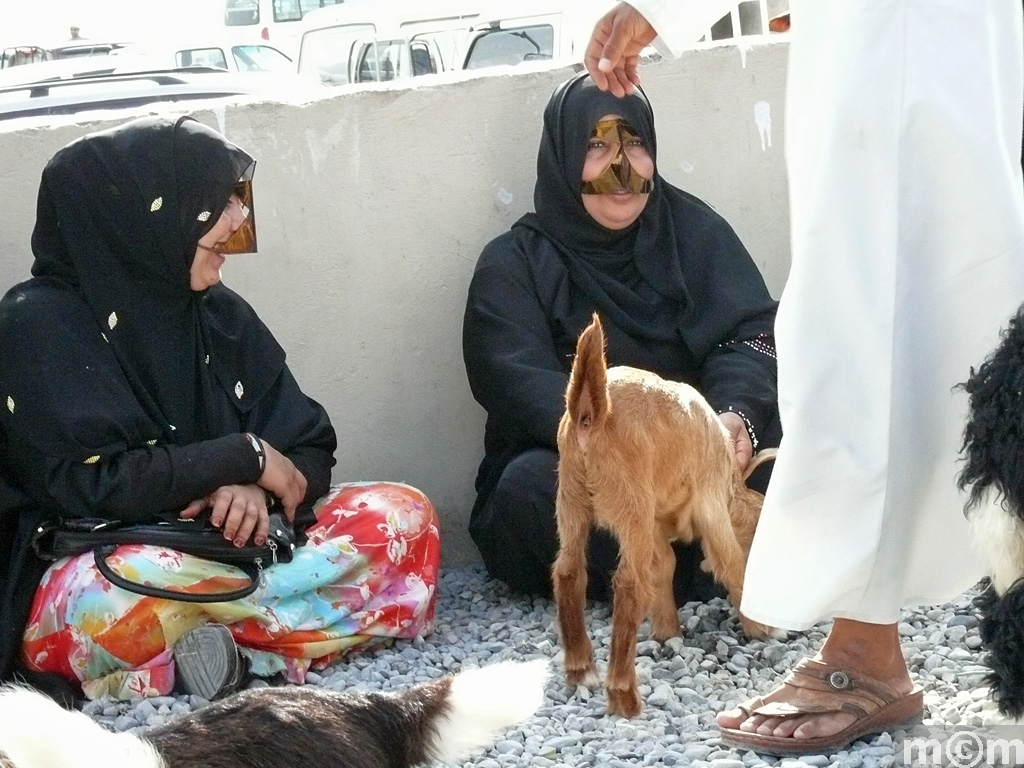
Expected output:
{"points": [[873, 649]]}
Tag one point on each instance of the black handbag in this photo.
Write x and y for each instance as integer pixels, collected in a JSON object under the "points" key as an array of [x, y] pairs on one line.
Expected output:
{"points": [[65, 538]]}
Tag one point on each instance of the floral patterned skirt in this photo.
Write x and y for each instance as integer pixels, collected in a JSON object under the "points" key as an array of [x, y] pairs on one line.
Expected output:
{"points": [[367, 572]]}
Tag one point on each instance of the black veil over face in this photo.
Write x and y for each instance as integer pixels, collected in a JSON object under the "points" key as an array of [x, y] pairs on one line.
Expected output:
{"points": [[119, 216], [679, 269]]}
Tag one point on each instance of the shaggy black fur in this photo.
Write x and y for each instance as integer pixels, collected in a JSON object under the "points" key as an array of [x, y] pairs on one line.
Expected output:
{"points": [[994, 436], [293, 727], [994, 460], [1002, 632]]}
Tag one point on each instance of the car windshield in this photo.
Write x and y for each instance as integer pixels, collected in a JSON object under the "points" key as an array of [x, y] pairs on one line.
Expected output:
{"points": [[512, 46]]}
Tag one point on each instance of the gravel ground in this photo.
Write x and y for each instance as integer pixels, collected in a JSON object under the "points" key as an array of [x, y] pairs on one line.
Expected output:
{"points": [[683, 682]]}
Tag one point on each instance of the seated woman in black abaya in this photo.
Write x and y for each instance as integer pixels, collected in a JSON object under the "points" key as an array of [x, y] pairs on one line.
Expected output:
{"points": [[677, 293], [136, 386]]}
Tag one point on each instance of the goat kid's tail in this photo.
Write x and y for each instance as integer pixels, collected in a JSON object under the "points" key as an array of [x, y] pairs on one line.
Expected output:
{"points": [[36, 732], [586, 398]]}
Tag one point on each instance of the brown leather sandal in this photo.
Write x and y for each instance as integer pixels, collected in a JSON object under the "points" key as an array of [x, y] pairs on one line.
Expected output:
{"points": [[813, 687]]}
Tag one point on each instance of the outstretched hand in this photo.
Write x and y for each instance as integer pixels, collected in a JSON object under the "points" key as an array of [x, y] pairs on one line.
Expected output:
{"points": [[738, 437], [613, 52]]}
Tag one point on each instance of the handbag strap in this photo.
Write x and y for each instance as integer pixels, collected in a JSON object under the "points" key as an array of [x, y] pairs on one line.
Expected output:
{"points": [[101, 554]]}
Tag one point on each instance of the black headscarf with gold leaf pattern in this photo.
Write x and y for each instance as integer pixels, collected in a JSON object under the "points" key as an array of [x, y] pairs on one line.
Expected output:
{"points": [[119, 215]]}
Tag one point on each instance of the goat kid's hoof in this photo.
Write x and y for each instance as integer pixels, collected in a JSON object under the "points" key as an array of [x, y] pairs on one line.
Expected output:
{"points": [[666, 633], [587, 677], [625, 703]]}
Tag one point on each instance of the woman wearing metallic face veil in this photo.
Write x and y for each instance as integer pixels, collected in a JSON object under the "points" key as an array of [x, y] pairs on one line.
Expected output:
{"points": [[136, 385], [677, 294]]}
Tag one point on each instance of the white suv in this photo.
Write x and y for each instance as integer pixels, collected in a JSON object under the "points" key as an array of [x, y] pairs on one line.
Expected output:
{"points": [[125, 91]]}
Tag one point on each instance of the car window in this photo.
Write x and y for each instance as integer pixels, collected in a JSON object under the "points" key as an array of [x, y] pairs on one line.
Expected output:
{"points": [[380, 61], [294, 10], [512, 46], [260, 58], [241, 13], [201, 57], [445, 33], [422, 60], [287, 10], [22, 54], [327, 53]]}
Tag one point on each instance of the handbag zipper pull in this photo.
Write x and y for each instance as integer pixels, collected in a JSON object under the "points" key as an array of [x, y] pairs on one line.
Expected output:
{"points": [[259, 572], [273, 549]]}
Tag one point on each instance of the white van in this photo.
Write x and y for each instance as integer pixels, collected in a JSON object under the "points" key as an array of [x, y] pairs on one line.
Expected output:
{"points": [[370, 41], [275, 21]]}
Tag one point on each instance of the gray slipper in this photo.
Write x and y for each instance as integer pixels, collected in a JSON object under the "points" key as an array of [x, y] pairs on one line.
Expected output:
{"points": [[207, 662]]}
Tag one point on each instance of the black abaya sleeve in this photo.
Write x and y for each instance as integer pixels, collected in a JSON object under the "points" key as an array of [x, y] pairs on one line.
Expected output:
{"points": [[133, 484], [513, 367], [136, 483], [298, 427], [742, 378]]}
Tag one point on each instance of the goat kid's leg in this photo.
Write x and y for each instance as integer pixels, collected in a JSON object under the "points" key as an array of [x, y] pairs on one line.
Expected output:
{"points": [[727, 563], [664, 616], [633, 593], [570, 587]]}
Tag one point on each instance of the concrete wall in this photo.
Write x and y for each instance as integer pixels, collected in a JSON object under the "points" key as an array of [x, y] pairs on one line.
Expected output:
{"points": [[373, 205]]}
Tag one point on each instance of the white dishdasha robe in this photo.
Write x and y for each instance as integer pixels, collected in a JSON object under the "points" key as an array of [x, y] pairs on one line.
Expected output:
{"points": [[903, 142]]}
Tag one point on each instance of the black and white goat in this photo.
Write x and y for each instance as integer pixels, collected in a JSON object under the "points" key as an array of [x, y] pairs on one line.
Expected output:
{"points": [[287, 727], [994, 472]]}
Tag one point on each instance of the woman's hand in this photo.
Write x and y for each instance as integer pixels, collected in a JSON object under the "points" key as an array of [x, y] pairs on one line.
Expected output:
{"points": [[240, 510], [282, 479], [738, 436]]}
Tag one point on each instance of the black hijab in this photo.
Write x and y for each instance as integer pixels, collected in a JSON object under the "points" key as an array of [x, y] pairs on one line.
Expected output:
{"points": [[679, 269], [119, 215]]}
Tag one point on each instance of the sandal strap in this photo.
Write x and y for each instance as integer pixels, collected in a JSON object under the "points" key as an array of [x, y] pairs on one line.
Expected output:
{"points": [[813, 687]]}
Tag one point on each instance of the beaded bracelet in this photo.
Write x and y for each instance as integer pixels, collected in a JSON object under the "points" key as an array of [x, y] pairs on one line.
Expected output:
{"points": [[750, 427], [257, 446]]}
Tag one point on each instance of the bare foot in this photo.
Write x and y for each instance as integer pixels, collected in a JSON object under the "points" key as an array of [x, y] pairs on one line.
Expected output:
{"points": [[871, 649]]}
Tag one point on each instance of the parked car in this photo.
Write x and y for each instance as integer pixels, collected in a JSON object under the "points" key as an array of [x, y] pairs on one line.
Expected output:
{"points": [[18, 55], [366, 41], [233, 56], [113, 90]]}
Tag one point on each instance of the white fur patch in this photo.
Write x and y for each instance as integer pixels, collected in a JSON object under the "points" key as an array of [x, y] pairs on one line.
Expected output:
{"points": [[36, 732], [483, 702], [998, 537]]}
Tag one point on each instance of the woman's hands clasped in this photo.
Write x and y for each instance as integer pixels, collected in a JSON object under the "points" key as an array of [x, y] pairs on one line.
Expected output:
{"points": [[241, 510]]}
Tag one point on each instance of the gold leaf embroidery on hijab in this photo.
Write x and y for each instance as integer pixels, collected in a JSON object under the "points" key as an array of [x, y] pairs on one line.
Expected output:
{"points": [[156, 205], [10, 404], [112, 320]]}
